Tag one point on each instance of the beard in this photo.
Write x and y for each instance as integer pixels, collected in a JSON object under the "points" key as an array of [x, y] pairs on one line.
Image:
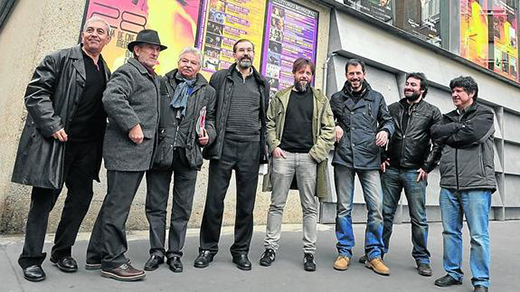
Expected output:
{"points": [[411, 98], [301, 86], [245, 63]]}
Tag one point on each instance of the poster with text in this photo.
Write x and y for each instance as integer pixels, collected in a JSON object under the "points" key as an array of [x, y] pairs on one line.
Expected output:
{"points": [[175, 20], [474, 44], [421, 18], [380, 9], [225, 22], [504, 25], [291, 33]]}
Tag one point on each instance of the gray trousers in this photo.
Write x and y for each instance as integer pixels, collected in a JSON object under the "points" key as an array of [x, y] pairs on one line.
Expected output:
{"points": [[283, 171]]}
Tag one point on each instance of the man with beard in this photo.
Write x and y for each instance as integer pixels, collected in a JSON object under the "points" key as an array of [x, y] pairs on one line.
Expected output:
{"points": [[409, 159], [300, 134], [61, 144], [186, 98], [363, 126], [241, 102]]}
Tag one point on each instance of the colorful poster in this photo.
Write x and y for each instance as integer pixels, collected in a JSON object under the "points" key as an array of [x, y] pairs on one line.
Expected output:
{"points": [[175, 20], [291, 33], [504, 21], [380, 9], [421, 18], [227, 21], [474, 31]]}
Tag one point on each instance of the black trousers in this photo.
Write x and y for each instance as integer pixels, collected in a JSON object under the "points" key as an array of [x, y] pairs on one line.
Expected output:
{"points": [[244, 158], [158, 188], [108, 243], [80, 169]]}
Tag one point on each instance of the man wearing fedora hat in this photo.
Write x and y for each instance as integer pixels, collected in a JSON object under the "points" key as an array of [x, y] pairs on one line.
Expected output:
{"points": [[131, 103]]}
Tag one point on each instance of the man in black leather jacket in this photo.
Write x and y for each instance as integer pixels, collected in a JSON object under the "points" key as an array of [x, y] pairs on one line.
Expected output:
{"points": [[61, 144], [409, 159]]}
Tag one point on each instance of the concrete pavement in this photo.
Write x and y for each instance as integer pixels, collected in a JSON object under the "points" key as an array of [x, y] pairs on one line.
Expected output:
{"points": [[287, 272]]}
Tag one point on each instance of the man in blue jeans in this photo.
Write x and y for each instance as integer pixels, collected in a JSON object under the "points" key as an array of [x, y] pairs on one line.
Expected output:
{"points": [[407, 162], [467, 182], [363, 125]]}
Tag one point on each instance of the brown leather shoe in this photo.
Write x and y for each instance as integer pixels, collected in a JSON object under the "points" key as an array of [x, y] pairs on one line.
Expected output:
{"points": [[378, 266], [342, 263], [124, 272]]}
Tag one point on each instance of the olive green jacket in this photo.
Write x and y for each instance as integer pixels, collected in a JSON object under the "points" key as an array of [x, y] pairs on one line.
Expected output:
{"points": [[323, 131]]}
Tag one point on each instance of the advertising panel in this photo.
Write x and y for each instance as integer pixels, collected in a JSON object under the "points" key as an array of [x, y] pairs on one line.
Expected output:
{"points": [[290, 34], [176, 21], [380, 9], [421, 18], [227, 21], [474, 31], [505, 39]]}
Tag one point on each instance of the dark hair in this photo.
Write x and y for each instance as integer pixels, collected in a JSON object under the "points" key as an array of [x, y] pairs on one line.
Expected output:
{"points": [[422, 77], [355, 62], [301, 63], [242, 41], [467, 83]]}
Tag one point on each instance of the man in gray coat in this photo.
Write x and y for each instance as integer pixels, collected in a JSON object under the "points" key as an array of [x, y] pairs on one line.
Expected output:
{"points": [[61, 144], [131, 103]]}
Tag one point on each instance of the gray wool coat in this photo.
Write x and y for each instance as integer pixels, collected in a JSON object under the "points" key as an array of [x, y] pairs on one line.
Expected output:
{"points": [[131, 98]]}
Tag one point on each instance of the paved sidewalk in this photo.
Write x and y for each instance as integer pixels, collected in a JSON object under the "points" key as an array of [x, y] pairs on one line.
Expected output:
{"points": [[286, 274]]}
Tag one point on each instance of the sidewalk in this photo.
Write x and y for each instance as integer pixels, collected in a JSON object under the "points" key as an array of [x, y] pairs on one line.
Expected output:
{"points": [[287, 272]]}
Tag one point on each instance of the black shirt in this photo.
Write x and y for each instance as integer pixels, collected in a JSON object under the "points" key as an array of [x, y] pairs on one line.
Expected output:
{"points": [[88, 122], [297, 131]]}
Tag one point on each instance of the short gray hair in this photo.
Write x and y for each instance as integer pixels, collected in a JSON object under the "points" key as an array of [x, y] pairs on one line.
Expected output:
{"points": [[97, 19], [191, 50]]}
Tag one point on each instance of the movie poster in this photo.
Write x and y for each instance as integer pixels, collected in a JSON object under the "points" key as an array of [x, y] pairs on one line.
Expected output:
{"points": [[504, 25], [380, 9], [175, 20], [291, 33], [420, 18], [474, 31], [227, 21]]}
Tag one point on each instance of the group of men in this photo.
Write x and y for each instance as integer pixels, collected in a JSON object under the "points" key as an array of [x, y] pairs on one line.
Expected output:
{"points": [[141, 123]]}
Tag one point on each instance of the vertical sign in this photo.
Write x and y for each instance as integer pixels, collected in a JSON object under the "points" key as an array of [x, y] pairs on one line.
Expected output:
{"points": [[227, 21], [291, 32], [504, 26], [474, 31]]}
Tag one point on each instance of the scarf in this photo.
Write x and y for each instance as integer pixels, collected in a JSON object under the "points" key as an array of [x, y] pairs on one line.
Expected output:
{"points": [[183, 90]]}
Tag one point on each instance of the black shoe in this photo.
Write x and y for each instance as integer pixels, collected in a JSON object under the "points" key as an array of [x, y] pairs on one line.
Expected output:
{"points": [[66, 264], [308, 262], [153, 262], [242, 262], [175, 264], [447, 281], [34, 273], [424, 269], [267, 257], [205, 257], [479, 288], [362, 259]]}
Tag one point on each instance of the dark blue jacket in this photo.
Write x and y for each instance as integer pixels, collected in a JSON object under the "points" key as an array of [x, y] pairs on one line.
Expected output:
{"points": [[360, 122]]}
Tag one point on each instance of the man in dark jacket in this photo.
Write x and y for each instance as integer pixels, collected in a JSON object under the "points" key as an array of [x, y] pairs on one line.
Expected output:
{"points": [[186, 123], [363, 126], [131, 102], [242, 97], [408, 161], [61, 143], [467, 182]]}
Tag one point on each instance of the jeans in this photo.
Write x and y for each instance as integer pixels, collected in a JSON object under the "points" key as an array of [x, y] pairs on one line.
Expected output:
{"points": [[283, 172], [393, 181], [371, 184], [475, 205]]}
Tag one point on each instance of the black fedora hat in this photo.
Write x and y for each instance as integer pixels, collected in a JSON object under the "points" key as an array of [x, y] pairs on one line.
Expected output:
{"points": [[148, 36]]}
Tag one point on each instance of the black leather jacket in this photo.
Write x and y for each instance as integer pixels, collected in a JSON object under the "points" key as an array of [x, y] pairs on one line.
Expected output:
{"points": [[413, 148]]}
